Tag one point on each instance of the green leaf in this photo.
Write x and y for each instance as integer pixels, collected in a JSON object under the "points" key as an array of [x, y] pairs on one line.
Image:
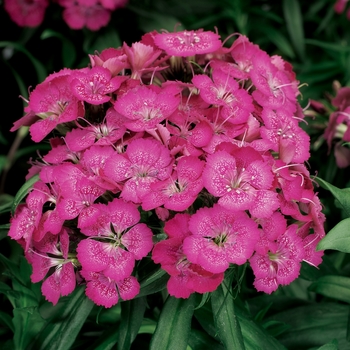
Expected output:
{"points": [[333, 345], [342, 195], [23, 191], [294, 22], [336, 287], [202, 341], [131, 320], [6, 320], [174, 324], [225, 319], [153, 283], [27, 323], [314, 325], [338, 238], [328, 46], [107, 340], [60, 334]]}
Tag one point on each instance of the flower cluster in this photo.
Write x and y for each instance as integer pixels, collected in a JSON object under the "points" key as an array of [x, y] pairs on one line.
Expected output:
{"points": [[202, 138], [92, 14]]}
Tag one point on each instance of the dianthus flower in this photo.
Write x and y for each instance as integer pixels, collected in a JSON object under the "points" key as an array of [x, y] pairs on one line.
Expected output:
{"points": [[174, 140]]}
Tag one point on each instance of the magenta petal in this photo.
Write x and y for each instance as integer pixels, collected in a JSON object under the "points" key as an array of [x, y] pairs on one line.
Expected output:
{"points": [[138, 240], [51, 288], [100, 289], [128, 288], [67, 276], [177, 286], [120, 264], [92, 255]]}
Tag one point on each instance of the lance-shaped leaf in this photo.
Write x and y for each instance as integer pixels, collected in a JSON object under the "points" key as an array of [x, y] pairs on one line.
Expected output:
{"points": [[131, 320], [60, 334], [174, 324], [336, 287], [225, 318]]}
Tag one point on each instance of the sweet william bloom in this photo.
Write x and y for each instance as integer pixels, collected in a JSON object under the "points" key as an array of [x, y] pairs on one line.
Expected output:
{"points": [[93, 85], [79, 16], [52, 252], [220, 237], [224, 91], [26, 13], [188, 43], [105, 291], [145, 161], [145, 108], [180, 190], [116, 240], [185, 277], [52, 101], [241, 185], [281, 264]]}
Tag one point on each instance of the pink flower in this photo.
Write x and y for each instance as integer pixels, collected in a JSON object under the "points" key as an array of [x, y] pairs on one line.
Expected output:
{"points": [[26, 13], [123, 240], [113, 59], [243, 185], [145, 107], [79, 16], [224, 91], [105, 291], [185, 277], [281, 264], [52, 101], [188, 43], [46, 256], [220, 237], [287, 137], [145, 161], [180, 190], [94, 85]]}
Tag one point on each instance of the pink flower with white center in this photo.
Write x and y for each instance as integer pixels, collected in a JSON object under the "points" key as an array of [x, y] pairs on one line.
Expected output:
{"points": [[26, 13], [52, 101], [241, 186], [224, 91], [119, 240], [281, 264], [242, 52], [188, 43], [145, 108], [27, 218], [77, 199], [60, 153], [185, 277], [145, 161], [106, 133], [94, 85], [105, 291], [53, 253], [220, 237], [273, 87], [288, 139], [94, 161], [180, 190]]}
